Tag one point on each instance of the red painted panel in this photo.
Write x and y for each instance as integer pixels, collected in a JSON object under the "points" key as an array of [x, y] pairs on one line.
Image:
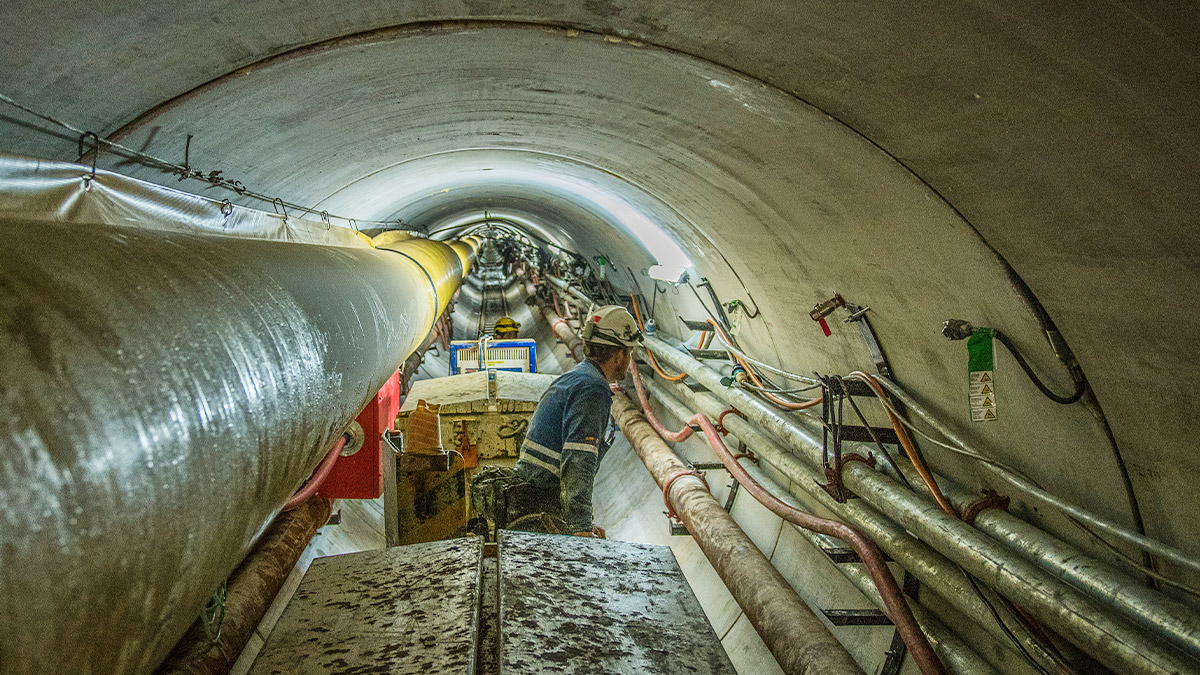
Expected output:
{"points": [[360, 476]]}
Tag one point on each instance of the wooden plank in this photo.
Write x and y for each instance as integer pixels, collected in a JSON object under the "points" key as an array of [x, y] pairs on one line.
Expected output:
{"points": [[578, 605], [403, 610]]}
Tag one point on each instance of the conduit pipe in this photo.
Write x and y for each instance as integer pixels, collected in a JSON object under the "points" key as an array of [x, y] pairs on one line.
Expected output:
{"points": [[955, 653], [958, 657], [560, 328], [319, 475], [872, 559], [1079, 618], [929, 566], [797, 639], [250, 591], [571, 290], [165, 393], [1173, 620]]}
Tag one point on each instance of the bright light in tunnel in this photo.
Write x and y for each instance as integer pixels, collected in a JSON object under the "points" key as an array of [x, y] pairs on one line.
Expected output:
{"points": [[489, 175], [657, 242], [671, 275], [528, 225]]}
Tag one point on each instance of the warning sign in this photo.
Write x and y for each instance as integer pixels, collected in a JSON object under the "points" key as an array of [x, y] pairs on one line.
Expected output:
{"points": [[981, 376], [983, 395], [983, 414]]}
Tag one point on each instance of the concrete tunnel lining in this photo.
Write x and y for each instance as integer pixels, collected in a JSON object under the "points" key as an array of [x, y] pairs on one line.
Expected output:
{"points": [[721, 175], [729, 191]]}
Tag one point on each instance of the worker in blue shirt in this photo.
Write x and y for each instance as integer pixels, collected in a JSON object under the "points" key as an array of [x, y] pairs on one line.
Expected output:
{"points": [[565, 440]]}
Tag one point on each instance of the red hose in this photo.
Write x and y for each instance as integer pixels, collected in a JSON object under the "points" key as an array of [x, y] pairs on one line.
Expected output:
{"points": [[319, 475], [557, 310], [870, 555]]}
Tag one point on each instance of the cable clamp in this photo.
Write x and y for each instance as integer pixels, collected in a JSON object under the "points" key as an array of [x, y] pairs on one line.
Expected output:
{"points": [[990, 500], [721, 418], [671, 480], [87, 180], [835, 487]]}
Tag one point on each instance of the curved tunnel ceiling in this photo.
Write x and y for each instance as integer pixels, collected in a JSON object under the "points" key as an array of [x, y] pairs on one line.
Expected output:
{"points": [[1059, 133]]}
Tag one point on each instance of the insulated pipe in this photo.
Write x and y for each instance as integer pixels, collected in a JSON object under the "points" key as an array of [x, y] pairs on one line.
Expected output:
{"points": [[443, 266], [164, 393], [867, 551], [955, 654], [1077, 617], [250, 592], [465, 249], [571, 290], [560, 328], [798, 640], [1171, 619], [929, 566]]}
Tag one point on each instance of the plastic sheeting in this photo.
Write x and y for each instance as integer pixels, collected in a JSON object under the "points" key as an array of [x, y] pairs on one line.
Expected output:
{"points": [[61, 192]]}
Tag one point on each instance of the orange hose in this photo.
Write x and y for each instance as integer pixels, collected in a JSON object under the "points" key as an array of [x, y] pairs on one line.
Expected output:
{"points": [[653, 363], [909, 448], [783, 403]]}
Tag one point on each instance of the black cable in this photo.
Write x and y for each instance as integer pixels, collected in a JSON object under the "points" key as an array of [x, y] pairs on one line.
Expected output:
{"points": [[1139, 525], [1080, 381], [710, 314], [1003, 626], [654, 298], [1081, 387], [886, 455]]}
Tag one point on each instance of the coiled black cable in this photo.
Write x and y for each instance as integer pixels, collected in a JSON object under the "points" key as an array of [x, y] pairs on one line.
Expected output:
{"points": [[1080, 381]]}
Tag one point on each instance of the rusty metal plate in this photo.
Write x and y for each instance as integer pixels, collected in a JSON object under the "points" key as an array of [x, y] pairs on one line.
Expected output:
{"points": [[408, 609], [577, 605]]}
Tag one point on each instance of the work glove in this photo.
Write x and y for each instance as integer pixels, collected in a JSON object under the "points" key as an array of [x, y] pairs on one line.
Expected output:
{"points": [[596, 532]]}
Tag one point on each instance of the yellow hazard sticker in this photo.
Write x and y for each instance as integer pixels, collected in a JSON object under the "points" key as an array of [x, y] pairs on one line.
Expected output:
{"points": [[982, 393]]}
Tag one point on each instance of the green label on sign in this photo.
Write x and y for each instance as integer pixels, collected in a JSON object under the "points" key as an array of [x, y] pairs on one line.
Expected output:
{"points": [[981, 375]]}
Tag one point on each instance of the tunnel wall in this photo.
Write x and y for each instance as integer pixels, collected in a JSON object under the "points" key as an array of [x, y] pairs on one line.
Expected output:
{"points": [[889, 153]]}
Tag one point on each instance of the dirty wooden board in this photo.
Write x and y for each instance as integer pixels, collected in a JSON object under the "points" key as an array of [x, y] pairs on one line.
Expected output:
{"points": [[408, 609], [458, 392], [576, 605]]}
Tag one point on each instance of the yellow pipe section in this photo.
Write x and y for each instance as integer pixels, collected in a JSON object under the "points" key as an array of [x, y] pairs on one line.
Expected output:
{"points": [[390, 238], [466, 248], [442, 264]]}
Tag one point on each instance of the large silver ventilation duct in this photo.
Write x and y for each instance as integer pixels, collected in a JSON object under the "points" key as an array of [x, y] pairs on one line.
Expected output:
{"points": [[161, 396]]}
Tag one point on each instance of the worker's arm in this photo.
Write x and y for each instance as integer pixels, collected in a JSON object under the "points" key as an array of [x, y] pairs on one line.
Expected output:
{"points": [[584, 421]]}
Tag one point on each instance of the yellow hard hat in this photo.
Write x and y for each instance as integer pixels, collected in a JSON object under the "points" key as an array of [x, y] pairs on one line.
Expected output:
{"points": [[506, 324]]}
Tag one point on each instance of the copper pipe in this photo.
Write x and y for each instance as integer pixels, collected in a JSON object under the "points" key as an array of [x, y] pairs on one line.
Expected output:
{"points": [[870, 555], [798, 640], [319, 475], [249, 593]]}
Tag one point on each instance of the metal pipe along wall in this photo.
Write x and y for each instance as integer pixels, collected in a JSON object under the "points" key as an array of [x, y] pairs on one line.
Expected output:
{"points": [[796, 637], [163, 395], [1081, 619]]}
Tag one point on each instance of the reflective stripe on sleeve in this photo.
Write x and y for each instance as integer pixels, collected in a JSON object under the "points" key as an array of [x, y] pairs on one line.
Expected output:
{"points": [[536, 461], [550, 454], [581, 447]]}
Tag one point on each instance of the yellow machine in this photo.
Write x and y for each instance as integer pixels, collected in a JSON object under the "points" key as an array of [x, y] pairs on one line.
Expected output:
{"points": [[450, 428]]}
